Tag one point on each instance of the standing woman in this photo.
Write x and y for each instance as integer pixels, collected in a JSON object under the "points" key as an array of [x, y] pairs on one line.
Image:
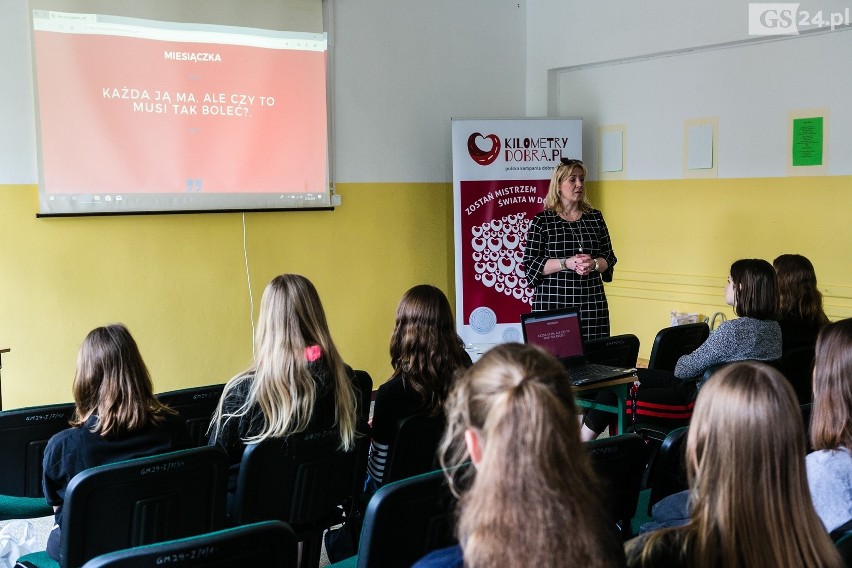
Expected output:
{"points": [[533, 499], [749, 493], [425, 354], [830, 466], [116, 417], [568, 251], [297, 383], [800, 310]]}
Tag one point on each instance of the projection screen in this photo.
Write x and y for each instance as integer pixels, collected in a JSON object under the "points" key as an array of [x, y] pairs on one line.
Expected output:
{"points": [[191, 105]]}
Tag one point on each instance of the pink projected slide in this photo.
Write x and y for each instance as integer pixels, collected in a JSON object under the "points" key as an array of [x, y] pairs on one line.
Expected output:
{"points": [[130, 115], [560, 336]]}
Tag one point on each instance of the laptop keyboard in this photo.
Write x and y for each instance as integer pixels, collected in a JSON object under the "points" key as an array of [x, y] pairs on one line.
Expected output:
{"points": [[590, 373]]}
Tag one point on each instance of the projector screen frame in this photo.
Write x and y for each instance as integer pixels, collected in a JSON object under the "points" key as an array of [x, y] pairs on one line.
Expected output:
{"points": [[328, 203]]}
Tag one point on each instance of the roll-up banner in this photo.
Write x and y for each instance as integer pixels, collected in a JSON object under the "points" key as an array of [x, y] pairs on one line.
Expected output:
{"points": [[501, 173]]}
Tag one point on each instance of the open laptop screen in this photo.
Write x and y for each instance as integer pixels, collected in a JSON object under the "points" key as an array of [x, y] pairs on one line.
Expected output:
{"points": [[557, 331]]}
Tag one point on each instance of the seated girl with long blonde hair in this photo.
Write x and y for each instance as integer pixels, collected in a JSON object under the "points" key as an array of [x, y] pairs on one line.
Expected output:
{"points": [[297, 383]]}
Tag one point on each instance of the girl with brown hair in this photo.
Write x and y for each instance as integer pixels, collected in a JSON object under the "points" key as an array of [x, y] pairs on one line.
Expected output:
{"points": [[745, 463], [116, 417], [752, 292], [532, 497], [800, 310], [425, 354], [830, 466]]}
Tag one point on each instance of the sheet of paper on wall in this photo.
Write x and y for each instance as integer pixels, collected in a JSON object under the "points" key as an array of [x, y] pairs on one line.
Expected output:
{"points": [[807, 141], [700, 144], [611, 151]]}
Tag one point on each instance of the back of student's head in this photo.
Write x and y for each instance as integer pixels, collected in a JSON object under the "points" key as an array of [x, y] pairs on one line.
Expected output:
{"points": [[831, 415], [745, 460], [755, 288], [533, 480], [424, 345], [113, 384], [799, 297], [291, 319]]}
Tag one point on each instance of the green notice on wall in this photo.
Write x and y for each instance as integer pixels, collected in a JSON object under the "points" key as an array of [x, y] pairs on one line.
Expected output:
{"points": [[807, 141]]}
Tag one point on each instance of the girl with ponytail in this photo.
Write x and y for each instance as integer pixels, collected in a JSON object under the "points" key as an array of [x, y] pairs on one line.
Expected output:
{"points": [[531, 498]]}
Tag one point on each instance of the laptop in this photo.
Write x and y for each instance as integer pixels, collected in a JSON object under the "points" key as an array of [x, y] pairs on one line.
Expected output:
{"points": [[559, 333]]}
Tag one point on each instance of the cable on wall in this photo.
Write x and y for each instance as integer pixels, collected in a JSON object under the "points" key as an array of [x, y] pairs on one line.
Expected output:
{"points": [[248, 282]]}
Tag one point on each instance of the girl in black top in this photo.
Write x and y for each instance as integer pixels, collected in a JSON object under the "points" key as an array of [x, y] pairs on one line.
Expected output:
{"points": [[297, 382], [116, 417], [425, 353]]}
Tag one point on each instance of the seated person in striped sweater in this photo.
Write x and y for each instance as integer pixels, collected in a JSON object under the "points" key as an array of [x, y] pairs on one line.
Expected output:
{"points": [[425, 354]]}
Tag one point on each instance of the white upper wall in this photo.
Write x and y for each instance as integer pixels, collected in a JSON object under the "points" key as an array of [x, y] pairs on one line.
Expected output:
{"points": [[564, 33], [653, 66], [17, 110], [403, 69]]}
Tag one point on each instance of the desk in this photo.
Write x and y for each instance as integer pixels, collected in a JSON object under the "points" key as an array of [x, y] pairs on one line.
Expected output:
{"points": [[2, 350], [621, 388]]}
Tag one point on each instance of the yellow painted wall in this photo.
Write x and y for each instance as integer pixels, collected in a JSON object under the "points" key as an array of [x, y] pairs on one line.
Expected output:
{"points": [[179, 281], [676, 239]]}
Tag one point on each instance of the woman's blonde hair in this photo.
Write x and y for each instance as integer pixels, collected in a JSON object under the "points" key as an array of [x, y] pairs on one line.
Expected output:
{"points": [[534, 481], [560, 173], [745, 458], [831, 416], [291, 319], [112, 384]]}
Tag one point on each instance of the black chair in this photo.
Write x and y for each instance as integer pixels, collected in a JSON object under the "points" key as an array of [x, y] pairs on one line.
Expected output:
{"points": [[364, 390], [798, 366], [666, 473], [404, 521], [23, 436], [615, 351], [138, 502], [305, 480], [619, 462], [673, 342], [670, 344], [195, 405], [415, 446], [364, 386], [270, 543], [806, 422]]}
